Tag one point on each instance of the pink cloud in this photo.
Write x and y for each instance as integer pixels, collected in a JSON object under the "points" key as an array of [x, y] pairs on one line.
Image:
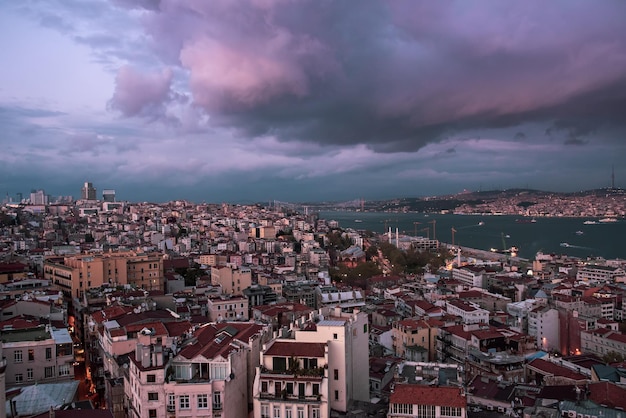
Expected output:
{"points": [[138, 94]]}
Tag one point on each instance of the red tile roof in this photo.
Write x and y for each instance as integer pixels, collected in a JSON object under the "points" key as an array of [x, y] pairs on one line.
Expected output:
{"points": [[549, 368], [428, 395], [295, 349]]}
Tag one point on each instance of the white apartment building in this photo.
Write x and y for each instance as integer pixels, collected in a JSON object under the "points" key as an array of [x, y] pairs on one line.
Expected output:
{"points": [[343, 356], [471, 276], [602, 341], [543, 324], [599, 274], [469, 312]]}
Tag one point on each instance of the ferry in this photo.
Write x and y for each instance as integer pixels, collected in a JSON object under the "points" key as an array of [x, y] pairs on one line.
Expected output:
{"points": [[358, 221], [579, 232], [481, 223], [605, 220], [589, 223], [565, 244]]}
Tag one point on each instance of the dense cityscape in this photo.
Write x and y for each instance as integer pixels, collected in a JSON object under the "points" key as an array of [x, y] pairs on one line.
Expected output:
{"points": [[123, 309]]}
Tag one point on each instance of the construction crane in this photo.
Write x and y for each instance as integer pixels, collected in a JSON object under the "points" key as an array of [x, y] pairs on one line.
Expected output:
{"points": [[427, 229], [415, 227], [434, 222], [453, 231]]}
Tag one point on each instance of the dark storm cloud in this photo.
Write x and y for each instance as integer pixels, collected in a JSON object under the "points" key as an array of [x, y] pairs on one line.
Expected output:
{"points": [[396, 75]]}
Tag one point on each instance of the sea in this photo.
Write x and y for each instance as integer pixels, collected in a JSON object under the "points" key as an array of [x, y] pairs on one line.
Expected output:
{"points": [[552, 235]]}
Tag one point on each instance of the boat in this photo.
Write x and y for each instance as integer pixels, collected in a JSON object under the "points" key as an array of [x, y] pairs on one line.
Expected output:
{"points": [[579, 232], [606, 220], [565, 244], [526, 221], [589, 223], [481, 223], [358, 221]]}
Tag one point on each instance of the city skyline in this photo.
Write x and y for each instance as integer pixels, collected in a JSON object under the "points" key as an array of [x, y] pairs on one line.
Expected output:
{"points": [[310, 101]]}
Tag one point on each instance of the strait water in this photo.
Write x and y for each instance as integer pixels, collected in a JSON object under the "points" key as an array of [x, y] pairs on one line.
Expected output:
{"points": [[606, 240]]}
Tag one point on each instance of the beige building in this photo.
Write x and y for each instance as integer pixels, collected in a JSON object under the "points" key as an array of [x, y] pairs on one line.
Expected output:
{"points": [[227, 308], [411, 337], [36, 353], [232, 279], [74, 274]]}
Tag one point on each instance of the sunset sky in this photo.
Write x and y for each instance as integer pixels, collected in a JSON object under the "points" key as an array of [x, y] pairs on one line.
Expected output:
{"points": [[247, 101]]}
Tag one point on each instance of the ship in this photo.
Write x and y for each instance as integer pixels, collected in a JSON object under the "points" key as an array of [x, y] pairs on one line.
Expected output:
{"points": [[526, 221], [579, 232], [358, 221], [589, 223], [565, 244], [605, 220], [481, 223]]}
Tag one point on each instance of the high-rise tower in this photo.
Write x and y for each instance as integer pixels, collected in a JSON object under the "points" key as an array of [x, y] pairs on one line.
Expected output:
{"points": [[88, 192]]}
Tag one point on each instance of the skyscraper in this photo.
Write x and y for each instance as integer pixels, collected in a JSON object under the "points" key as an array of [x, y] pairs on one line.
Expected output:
{"points": [[88, 192], [38, 197], [108, 195]]}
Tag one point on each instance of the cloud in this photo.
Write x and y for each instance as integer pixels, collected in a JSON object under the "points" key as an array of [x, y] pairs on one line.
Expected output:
{"points": [[140, 94]]}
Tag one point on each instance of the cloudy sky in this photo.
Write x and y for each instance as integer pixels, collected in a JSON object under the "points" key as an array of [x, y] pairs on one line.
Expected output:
{"points": [[298, 100]]}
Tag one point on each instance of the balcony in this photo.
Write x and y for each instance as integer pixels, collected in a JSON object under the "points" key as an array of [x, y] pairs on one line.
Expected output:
{"points": [[289, 397]]}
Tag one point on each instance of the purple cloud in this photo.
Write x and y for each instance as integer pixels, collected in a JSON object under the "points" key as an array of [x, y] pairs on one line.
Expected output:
{"points": [[138, 94]]}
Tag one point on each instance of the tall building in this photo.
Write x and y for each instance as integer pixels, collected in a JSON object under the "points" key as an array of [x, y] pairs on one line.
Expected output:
{"points": [[108, 195], [233, 279], [88, 192], [38, 197]]}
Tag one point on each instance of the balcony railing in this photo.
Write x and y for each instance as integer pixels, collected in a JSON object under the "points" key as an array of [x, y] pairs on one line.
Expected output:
{"points": [[292, 398]]}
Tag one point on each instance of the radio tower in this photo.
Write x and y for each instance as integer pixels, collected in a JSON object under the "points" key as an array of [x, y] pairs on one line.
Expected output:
{"points": [[613, 176]]}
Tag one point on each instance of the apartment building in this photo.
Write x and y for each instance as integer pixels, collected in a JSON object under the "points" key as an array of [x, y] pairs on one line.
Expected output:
{"points": [[335, 346], [600, 274], [408, 400], [209, 375], [471, 276], [75, 274], [470, 313], [227, 308], [36, 352], [233, 279], [415, 340], [543, 325], [603, 341]]}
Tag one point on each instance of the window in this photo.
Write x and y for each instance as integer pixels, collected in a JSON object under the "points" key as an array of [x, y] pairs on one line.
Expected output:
{"points": [[265, 411], [426, 411], [49, 371], [336, 374], [300, 412], [289, 387], [183, 402], [203, 401], [152, 413], [151, 378], [171, 402], [217, 400], [276, 412], [450, 411], [19, 378], [48, 353], [31, 354], [316, 388], [17, 356], [315, 413], [153, 396], [301, 388], [336, 395], [29, 374], [365, 329], [64, 369], [334, 336], [310, 363], [288, 412], [263, 387]]}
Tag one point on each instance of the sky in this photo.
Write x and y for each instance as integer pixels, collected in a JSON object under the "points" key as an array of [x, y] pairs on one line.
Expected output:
{"points": [[310, 100]]}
